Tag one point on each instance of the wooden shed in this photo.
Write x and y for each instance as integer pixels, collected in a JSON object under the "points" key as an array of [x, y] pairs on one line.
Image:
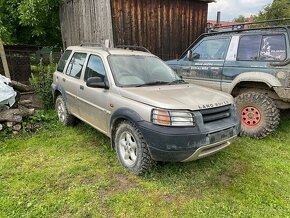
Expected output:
{"points": [[165, 27]]}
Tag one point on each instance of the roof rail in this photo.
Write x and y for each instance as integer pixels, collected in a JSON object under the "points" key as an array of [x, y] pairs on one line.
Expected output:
{"points": [[134, 47], [240, 26], [94, 44], [91, 44]]}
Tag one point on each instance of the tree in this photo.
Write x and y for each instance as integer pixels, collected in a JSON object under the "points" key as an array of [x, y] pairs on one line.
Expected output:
{"points": [[30, 22], [278, 9], [240, 19]]}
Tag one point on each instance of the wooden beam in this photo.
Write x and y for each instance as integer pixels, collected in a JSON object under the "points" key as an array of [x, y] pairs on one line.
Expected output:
{"points": [[4, 60]]}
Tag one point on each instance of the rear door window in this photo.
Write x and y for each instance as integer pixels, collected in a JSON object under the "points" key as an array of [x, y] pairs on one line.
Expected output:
{"points": [[76, 64], [63, 60], [249, 48]]}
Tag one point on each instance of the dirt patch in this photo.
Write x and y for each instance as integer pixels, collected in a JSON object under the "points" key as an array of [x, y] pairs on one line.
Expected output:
{"points": [[225, 180], [123, 183], [237, 169]]}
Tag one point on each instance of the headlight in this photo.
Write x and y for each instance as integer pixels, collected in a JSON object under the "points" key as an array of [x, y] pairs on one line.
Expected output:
{"points": [[172, 118]]}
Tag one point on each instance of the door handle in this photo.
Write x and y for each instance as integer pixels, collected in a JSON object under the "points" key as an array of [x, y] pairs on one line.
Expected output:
{"points": [[82, 87], [63, 79]]}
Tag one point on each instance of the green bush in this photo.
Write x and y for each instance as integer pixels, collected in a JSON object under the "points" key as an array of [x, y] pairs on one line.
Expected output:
{"points": [[41, 80]]}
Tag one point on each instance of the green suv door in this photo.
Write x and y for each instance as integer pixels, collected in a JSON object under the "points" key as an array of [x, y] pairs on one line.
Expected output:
{"points": [[204, 63]]}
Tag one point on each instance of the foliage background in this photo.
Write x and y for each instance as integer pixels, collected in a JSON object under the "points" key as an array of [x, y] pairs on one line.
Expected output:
{"points": [[278, 9], [30, 22]]}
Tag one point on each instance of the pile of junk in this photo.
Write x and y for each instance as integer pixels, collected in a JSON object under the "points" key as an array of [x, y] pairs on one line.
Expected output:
{"points": [[16, 105]]}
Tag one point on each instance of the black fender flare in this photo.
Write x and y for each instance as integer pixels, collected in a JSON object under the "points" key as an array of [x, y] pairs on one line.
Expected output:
{"points": [[123, 113]]}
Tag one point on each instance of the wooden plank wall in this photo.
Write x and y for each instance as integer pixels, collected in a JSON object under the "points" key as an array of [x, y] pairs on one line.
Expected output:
{"points": [[165, 27], [85, 20]]}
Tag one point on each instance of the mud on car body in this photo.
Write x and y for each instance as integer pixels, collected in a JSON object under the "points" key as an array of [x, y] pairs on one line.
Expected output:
{"points": [[251, 64], [149, 113]]}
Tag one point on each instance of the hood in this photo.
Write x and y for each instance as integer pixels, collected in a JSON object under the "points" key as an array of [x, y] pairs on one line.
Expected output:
{"points": [[187, 96]]}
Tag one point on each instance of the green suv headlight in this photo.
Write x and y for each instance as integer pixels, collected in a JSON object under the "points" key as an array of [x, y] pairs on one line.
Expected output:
{"points": [[172, 118]]}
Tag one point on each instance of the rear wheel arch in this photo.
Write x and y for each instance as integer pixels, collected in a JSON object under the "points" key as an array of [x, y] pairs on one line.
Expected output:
{"points": [[64, 116], [56, 94]]}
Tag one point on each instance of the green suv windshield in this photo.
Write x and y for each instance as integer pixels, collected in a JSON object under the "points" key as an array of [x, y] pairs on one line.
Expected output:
{"points": [[139, 71]]}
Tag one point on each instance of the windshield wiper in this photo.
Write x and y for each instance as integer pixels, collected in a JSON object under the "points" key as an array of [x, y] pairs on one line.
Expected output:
{"points": [[153, 83], [178, 81]]}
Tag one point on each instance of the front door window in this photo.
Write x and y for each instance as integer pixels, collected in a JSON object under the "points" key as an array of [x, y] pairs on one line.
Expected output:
{"points": [[213, 49]]}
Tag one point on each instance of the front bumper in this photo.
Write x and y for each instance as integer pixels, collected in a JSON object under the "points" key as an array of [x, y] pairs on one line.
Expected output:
{"points": [[181, 144], [207, 150]]}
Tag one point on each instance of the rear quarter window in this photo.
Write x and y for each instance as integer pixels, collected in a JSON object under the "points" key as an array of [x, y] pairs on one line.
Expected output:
{"points": [[273, 48], [262, 48], [63, 60]]}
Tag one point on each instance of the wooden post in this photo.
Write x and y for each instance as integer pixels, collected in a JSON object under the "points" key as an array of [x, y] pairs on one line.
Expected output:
{"points": [[4, 60]]}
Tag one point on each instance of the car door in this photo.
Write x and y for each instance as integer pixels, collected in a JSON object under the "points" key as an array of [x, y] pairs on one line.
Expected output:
{"points": [[206, 66], [71, 81], [93, 102]]}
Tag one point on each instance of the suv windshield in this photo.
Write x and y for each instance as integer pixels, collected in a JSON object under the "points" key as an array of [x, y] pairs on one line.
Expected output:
{"points": [[141, 71]]}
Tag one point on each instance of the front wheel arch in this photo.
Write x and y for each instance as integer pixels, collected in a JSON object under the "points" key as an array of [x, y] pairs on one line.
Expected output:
{"points": [[245, 86], [122, 114]]}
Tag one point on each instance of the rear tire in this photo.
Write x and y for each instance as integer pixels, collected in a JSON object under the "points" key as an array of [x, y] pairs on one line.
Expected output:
{"points": [[259, 114], [63, 115], [132, 149]]}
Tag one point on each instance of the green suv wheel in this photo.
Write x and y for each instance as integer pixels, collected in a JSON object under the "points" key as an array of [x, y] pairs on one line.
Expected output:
{"points": [[132, 149], [259, 114]]}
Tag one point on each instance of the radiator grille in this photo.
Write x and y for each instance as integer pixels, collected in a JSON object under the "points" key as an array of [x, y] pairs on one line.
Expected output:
{"points": [[214, 114]]}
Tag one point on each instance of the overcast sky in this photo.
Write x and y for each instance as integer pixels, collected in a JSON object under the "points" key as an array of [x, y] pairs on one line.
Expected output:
{"points": [[231, 9]]}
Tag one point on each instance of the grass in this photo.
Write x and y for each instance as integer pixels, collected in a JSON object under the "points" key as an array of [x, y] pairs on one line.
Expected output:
{"points": [[72, 172]]}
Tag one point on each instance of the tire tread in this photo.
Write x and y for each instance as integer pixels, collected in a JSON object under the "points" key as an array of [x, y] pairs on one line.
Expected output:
{"points": [[272, 113], [146, 162]]}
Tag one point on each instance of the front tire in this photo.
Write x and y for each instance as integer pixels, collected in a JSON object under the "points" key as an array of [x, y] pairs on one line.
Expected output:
{"points": [[259, 114], [132, 149], [63, 115]]}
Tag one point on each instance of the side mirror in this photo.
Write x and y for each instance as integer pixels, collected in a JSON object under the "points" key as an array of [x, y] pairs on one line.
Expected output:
{"points": [[195, 56], [189, 55], [97, 82]]}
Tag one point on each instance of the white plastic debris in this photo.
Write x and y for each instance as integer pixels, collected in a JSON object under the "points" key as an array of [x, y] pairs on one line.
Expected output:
{"points": [[7, 93]]}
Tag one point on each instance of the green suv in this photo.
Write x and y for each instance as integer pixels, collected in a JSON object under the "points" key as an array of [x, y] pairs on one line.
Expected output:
{"points": [[251, 64]]}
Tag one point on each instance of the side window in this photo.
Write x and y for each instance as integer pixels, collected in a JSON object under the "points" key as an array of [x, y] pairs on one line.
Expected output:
{"points": [[63, 60], [95, 68], [273, 48], [249, 47], [76, 64], [214, 49]]}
